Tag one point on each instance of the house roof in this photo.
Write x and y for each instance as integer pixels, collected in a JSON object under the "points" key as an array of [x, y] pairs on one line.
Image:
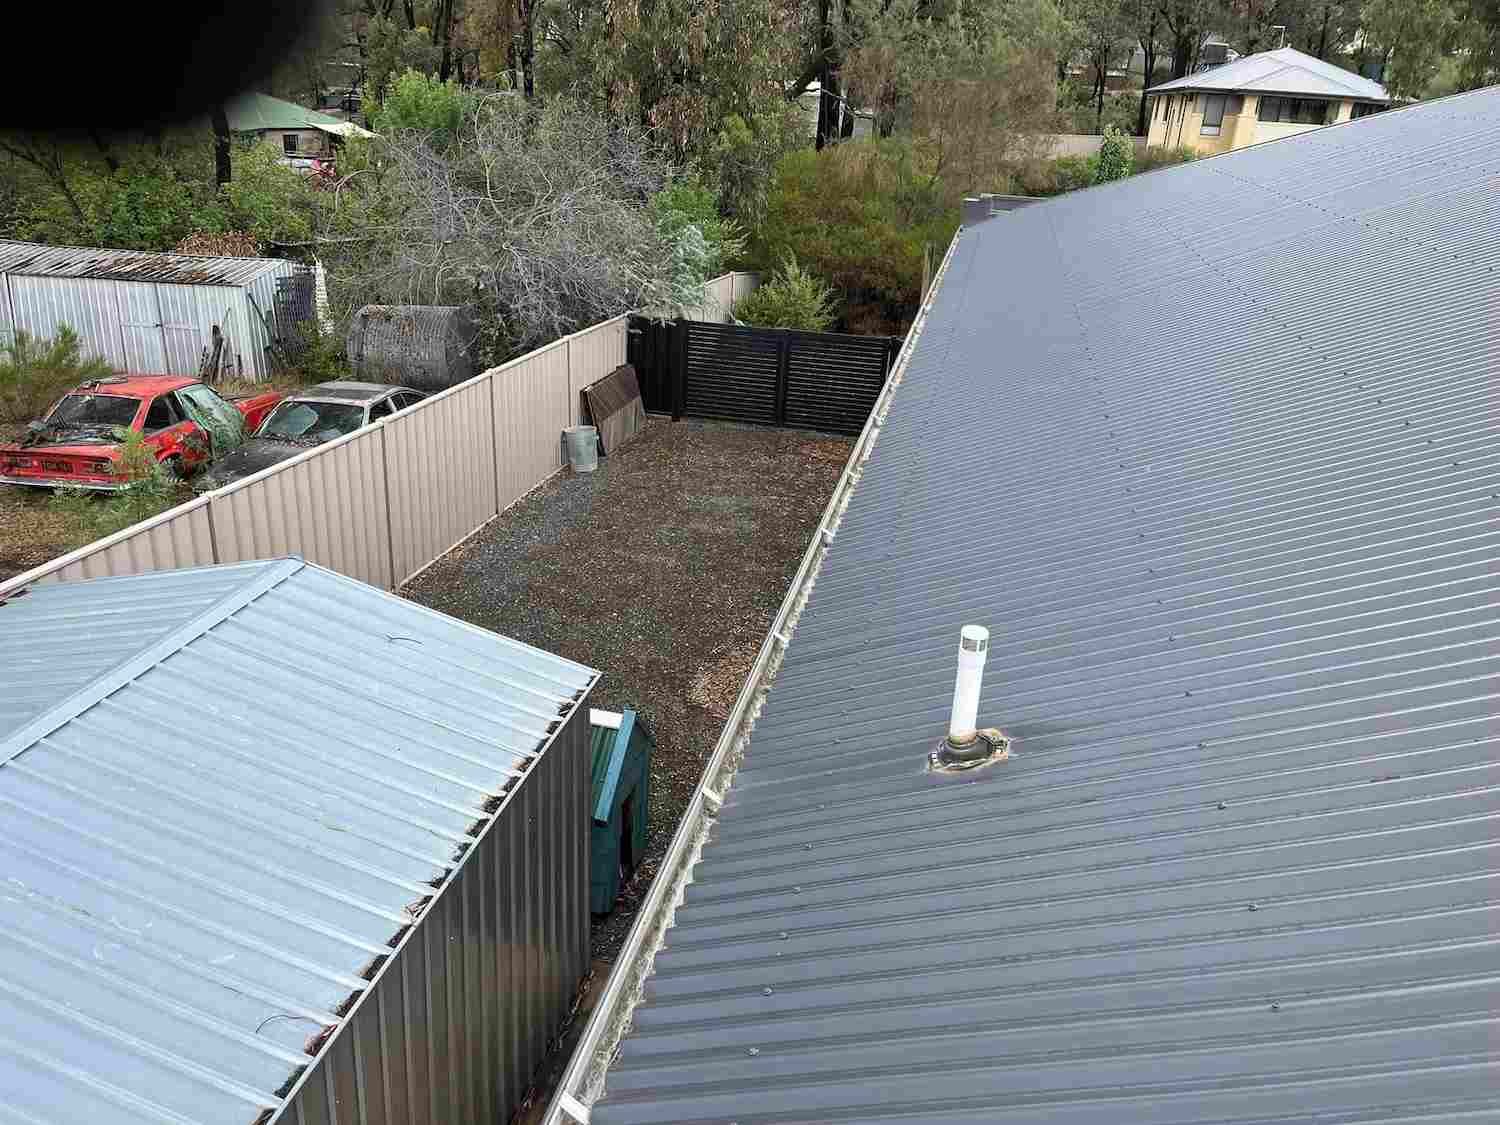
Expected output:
{"points": [[34, 259], [1213, 453], [1283, 71], [256, 113], [227, 794]]}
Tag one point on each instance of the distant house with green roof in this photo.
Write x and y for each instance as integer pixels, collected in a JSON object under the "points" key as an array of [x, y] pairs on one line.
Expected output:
{"points": [[301, 135]]}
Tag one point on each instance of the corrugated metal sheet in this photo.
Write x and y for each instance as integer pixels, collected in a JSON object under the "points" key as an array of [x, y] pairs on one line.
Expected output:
{"points": [[216, 847], [140, 314], [64, 638], [328, 505], [1213, 452], [593, 354], [179, 537], [440, 473], [534, 401], [34, 259]]}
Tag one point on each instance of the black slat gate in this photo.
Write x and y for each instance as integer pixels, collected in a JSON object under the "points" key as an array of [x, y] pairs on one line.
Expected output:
{"points": [[769, 376]]}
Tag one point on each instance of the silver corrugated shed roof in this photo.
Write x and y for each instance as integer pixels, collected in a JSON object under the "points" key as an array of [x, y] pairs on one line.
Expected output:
{"points": [[34, 259], [1214, 453], [65, 638], [1283, 71], [210, 844]]}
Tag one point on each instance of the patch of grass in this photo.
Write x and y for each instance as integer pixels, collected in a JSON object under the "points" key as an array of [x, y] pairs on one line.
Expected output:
{"points": [[148, 491]]}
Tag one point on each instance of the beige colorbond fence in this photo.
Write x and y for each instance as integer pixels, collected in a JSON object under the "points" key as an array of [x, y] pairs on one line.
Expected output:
{"points": [[383, 503]]}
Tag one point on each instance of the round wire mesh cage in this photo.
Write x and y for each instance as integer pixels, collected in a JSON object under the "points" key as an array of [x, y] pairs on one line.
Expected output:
{"points": [[428, 347]]}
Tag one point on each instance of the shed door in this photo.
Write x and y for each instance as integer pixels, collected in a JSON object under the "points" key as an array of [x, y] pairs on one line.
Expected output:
{"points": [[140, 326], [188, 316]]}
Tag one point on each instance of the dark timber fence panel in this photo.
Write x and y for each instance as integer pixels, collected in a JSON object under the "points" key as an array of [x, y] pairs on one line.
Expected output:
{"points": [[768, 376]]}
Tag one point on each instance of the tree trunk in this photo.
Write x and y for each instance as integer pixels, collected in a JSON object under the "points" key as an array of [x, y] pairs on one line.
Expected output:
{"points": [[827, 107], [104, 151], [1182, 54], [527, 12], [1322, 51], [1141, 120], [1101, 70], [442, 34], [222, 169]]}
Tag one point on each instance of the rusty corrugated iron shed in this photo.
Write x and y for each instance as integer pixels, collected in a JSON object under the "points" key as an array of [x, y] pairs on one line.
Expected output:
{"points": [[36, 260]]}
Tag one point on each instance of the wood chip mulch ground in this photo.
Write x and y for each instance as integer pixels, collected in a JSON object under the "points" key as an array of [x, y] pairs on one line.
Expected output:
{"points": [[664, 570]]}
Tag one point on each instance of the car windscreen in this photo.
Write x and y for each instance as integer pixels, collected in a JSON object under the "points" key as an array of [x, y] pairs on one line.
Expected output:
{"points": [[94, 410], [311, 421]]}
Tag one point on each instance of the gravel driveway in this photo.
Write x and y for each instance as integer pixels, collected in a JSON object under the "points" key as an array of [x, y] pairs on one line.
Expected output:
{"points": [[664, 570]]}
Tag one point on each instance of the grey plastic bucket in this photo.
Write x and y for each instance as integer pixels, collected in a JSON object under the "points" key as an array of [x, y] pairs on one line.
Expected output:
{"points": [[583, 448]]}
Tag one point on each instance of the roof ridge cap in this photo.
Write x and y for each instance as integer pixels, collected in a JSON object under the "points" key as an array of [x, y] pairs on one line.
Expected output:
{"points": [[148, 657]]}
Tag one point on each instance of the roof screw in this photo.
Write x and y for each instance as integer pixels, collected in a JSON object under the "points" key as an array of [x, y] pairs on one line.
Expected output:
{"points": [[796, 890], [766, 991], [1275, 1005], [807, 847], [1223, 805], [1254, 907], [1187, 695], [783, 935], [753, 1051]]}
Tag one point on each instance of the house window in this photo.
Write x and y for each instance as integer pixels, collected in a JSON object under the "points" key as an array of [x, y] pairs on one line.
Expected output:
{"points": [[1364, 109], [289, 143], [1294, 111], [1213, 114]]}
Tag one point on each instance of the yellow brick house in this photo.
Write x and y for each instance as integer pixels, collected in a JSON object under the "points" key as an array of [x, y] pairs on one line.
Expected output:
{"points": [[1260, 97]]}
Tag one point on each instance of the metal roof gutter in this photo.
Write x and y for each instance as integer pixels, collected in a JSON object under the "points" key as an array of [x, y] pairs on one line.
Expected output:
{"points": [[583, 1082]]}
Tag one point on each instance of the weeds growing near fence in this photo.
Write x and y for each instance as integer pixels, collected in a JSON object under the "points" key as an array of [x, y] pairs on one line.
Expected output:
{"points": [[149, 491]]}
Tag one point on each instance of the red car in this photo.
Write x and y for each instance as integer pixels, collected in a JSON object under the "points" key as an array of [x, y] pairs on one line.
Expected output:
{"points": [[185, 423]]}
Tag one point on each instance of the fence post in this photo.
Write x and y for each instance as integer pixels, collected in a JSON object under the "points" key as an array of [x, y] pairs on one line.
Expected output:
{"points": [[679, 370], [385, 491], [489, 390], [783, 357]]}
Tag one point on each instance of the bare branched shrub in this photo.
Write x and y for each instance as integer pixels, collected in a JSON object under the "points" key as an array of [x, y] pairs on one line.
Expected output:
{"points": [[539, 217]]}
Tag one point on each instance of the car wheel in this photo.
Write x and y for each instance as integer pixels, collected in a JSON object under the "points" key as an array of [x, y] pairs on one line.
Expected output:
{"points": [[171, 468]]}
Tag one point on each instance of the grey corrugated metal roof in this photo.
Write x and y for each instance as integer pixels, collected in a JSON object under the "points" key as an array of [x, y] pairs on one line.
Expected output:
{"points": [[1213, 452], [210, 846], [34, 259], [1283, 71], [59, 638]]}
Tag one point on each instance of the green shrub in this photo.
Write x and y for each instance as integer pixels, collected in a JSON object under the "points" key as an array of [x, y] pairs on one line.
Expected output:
{"points": [[790, 298], [1162, 157], [321, 357], [421, 102], [35, 373], [1116, 157], [859, 215], [148, 491], [687, 202]]}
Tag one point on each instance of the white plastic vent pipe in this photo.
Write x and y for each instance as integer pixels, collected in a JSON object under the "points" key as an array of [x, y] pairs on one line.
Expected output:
{"points": [[973, 649]]}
